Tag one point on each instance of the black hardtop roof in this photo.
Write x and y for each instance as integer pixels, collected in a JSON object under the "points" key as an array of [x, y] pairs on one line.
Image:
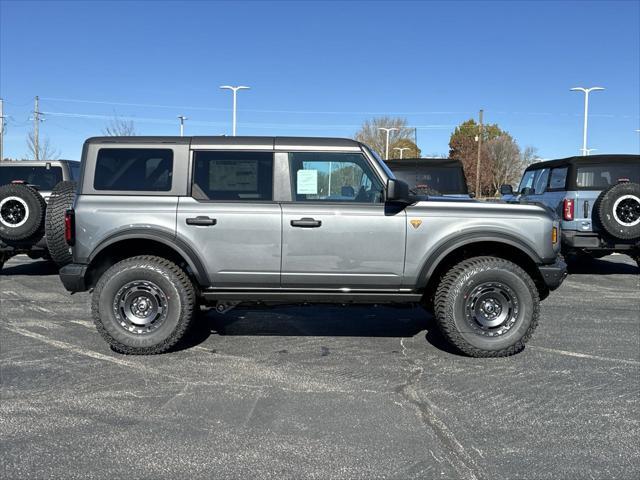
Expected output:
{"points": [[586, 160], [224, 140], [424, 161]]}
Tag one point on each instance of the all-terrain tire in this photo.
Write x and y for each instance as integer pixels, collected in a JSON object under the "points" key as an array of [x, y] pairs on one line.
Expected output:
{"points": [[21, 212], [60, 201], [493, 279], [144, 277], [618, 210]]}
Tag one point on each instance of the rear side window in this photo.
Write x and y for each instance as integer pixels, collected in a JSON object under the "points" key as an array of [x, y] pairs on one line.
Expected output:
{"points": [[134, 169], [558, 178], [228, 176], [42, 177]]}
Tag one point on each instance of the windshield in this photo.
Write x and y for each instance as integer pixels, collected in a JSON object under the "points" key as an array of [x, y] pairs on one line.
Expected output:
{"points": [[433, 180], [600, 176], [384, 166], [43, 178]]}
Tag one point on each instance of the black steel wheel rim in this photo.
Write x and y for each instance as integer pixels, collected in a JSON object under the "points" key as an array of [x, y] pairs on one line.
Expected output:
{"points": [[628, 210], [13, 212], [491, 309], [140, 307]]}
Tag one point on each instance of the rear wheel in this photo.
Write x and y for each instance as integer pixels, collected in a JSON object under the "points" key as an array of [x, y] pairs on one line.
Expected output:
{"points": [[143, 305], [60, 201], [487, 307]]}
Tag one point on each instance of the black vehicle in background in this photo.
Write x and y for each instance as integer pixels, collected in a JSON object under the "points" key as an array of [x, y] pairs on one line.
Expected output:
{"points": [[431, 176]]}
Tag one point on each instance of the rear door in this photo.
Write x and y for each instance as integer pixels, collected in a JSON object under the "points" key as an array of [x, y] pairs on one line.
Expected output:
{"points": [[230, 218], [337, 232]]}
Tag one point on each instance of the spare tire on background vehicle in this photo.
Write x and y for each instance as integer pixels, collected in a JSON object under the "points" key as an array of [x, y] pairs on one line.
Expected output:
{"points": [[60, 201], [21, 211], [618, 210]]}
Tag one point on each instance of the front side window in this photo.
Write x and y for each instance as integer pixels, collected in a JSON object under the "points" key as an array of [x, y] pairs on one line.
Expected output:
{"points": [[541, 181], [333, 177], [558, 178], [134, 169], [241, 176]]}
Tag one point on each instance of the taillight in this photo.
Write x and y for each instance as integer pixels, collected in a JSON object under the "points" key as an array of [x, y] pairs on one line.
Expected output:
{"points": [[568, 208], [69, 227]]}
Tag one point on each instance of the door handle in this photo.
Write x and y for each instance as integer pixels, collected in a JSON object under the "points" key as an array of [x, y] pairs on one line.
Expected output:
{"points": [[306, 223], [202, 221]]}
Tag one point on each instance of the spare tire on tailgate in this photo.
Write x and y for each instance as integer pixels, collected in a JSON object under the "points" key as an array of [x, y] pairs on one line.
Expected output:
{"points": [[60, 201], [21, 211], [618, 210]]}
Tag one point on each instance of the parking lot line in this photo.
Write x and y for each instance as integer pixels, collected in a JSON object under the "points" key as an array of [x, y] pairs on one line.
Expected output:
{"points": [[583, 355], [82, 351]]}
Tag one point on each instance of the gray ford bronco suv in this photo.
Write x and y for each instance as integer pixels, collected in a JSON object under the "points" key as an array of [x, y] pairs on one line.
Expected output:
{"points": [[160, 224]]}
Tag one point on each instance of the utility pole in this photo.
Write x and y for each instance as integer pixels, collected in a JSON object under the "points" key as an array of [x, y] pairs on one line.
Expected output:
{"points": [[1, 132], [182, 118], [387, 130], [235, 92], [415, 139], [36, 128], [479, 154], [586, 91]]}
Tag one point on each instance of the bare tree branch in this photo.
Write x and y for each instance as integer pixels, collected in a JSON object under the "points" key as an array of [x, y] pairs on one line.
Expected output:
{"points": [[46, 151], [120, 128], [376, 139]]}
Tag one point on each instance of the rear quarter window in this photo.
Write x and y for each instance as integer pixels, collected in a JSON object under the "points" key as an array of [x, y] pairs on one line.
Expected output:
{"points": [[558, 178], [134, 169]]}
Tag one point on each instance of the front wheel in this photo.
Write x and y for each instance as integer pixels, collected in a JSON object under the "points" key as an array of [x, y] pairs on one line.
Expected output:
{"points": [[487, 307], [143, 305]]}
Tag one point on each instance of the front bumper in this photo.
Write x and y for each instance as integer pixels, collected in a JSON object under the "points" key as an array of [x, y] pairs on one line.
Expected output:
{"points": [[554, 274], [72, 277]]}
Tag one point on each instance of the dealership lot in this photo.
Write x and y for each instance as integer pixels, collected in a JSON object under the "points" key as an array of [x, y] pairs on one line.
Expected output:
{"points": [[321, 391]]}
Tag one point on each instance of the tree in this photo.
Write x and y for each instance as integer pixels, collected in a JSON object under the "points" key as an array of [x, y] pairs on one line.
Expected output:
{"points": [[377, 139], [45, 150], [463, 146], [528, 156], [505, 160], [119, 128]]}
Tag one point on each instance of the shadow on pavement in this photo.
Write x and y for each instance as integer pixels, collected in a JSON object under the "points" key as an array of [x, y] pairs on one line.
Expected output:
{"points": [[30, 268], [604, 266], [318, 320]]}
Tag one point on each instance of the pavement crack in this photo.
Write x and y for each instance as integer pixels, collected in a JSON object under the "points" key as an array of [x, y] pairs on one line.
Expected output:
{"points": [[462, 462]]}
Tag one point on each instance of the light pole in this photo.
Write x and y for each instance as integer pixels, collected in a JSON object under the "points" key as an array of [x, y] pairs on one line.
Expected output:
{"points": [[401, 150], [182, 118], [235, 92], [586, 113], [386, 149]]}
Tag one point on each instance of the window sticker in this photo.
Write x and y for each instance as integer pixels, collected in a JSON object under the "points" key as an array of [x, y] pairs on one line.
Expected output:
{"points": [[307, 182]]}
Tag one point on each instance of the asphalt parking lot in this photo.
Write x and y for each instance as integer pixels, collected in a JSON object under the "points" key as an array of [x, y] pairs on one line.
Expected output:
{"points": [[321, 391]]}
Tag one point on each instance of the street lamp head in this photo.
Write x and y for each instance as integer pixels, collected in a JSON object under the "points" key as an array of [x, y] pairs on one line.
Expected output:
{"points": [[586, 90], [231, 87]]}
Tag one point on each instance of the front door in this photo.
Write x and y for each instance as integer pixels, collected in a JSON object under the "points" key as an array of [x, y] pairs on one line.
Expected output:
{"points": [[231, 220], [337, 232]]}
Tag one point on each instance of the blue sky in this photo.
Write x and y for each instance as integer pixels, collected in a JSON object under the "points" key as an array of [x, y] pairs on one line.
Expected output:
{"points": [[321, 68]]}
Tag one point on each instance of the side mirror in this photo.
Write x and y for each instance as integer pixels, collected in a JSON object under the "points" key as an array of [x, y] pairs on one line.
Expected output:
{"points": [[472, 195], [398, 191], [526, 191], [506, 190]]}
